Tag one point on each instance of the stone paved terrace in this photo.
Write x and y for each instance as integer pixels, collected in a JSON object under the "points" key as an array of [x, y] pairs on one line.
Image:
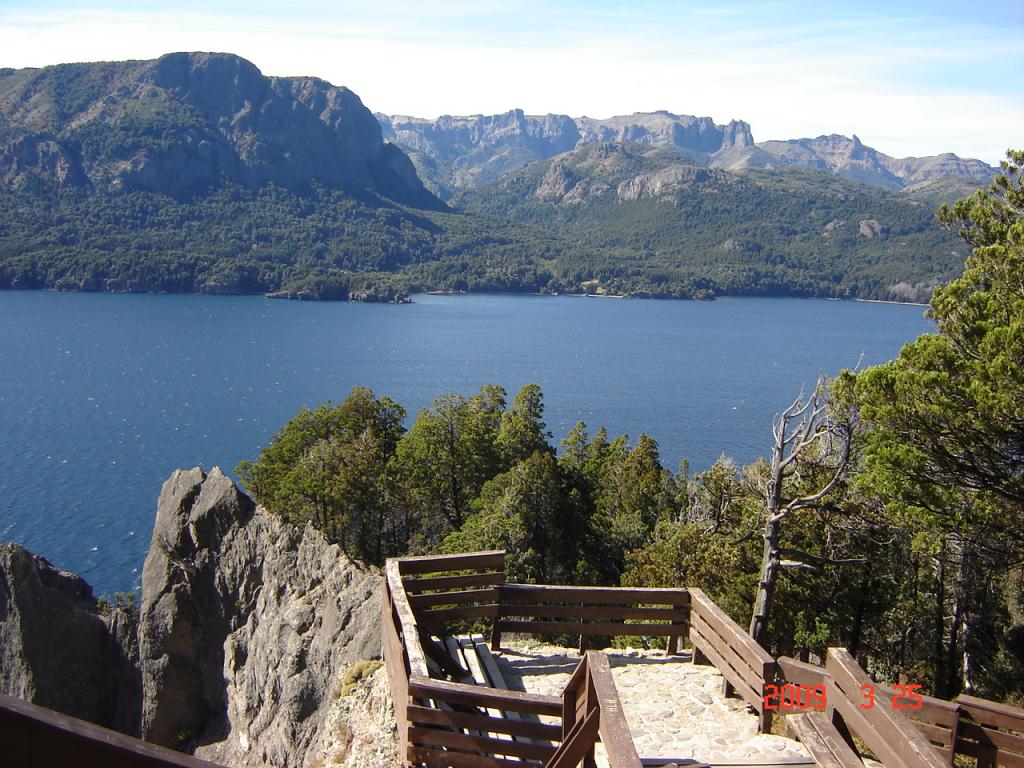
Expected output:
{"points": [[675, 709]]}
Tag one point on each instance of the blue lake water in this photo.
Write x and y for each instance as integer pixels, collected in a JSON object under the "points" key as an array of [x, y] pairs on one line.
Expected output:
{"points": [[103, 396]]}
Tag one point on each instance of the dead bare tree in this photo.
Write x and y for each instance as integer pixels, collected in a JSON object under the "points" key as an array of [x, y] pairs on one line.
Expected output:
{"points": [[806, 435]]}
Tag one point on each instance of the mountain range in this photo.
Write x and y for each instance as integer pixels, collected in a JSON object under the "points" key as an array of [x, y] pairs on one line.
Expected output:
{"points": [[455, 153], [196, 172]]}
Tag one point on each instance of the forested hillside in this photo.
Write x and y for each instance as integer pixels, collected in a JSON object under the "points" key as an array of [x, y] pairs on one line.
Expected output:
{"points": [[320, 244], [649, 221]]}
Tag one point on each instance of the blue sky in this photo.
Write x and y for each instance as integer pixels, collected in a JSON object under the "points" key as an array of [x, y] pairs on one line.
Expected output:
{"points": [[909, 78]]}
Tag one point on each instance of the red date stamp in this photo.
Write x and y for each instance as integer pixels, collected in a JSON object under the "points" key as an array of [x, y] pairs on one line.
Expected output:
{"points": [[790, 697]]}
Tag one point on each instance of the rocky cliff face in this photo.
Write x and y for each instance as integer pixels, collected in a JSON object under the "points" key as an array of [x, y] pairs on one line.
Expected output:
{"points": [[699, 134], [246, 626], [187, 122], [454, 153], [625, 172], [851, 159], [359, 729], [56, 650], [463, 152]]}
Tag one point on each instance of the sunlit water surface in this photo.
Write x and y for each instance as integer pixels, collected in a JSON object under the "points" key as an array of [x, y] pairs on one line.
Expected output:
{"points": [[103, 396]]}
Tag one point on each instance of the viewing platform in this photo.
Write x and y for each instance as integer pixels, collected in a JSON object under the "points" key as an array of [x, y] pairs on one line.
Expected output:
{"points": [[509, 702]]}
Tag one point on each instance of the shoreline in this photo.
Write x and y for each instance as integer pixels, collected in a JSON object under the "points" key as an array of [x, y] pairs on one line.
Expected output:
{"points": [[724, 297], [889, 301]]}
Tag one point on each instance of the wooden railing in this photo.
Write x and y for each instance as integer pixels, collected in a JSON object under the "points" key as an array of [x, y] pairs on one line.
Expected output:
{"points": [[35, 737], [893, 739], [586, 612], [745, 665], [906, 732], [990, 732], [443, 723], [591, 707], [446, 722], [447, 728]]}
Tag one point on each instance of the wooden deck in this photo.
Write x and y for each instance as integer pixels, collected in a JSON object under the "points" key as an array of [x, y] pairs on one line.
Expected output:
{"points": [[454, 709]]}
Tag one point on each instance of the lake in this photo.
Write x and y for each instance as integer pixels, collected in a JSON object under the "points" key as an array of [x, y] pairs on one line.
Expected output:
{"points": [[103, 396]]}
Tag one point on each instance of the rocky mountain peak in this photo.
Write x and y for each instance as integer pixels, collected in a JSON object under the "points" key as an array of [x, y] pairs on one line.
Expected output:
{"points": [[188, 122], [688, 132], [736, 134]]}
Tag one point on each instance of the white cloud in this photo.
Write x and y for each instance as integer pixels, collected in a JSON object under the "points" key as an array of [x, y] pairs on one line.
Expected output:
{"points": [[787, 80]]}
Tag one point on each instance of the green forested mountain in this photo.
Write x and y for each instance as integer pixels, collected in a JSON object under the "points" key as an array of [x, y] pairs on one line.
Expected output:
{"points": [[650, 220], [195, 172]]}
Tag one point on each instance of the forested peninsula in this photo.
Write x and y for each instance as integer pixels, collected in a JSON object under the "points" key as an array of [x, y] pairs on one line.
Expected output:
{"points": [[196, 173], [885, 518]]}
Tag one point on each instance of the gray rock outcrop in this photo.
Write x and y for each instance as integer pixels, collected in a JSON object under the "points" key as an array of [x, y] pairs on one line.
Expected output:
{"points": [[464, 152], [57, 651], [651, 185], [246, 621], [700, 134], [247, 624], [360, 729], [870, 228], [851, 159]]}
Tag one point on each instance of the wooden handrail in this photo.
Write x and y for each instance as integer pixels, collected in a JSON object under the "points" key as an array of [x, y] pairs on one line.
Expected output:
{"points": [[800, 672], [462, 562], [462, 693], [591, 705], [410, 632], [994, 734], [889, 734], [533, 593], [708, 610], [967, 726], [985, 711], [578, 743], [745, 665], [614, 730], [923, 736], [588, 611], [36, 737]]}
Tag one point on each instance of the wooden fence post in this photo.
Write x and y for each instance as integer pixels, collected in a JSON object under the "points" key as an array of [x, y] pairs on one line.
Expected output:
{"points": [[769, 673], [495, 631], [587, 701]]}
